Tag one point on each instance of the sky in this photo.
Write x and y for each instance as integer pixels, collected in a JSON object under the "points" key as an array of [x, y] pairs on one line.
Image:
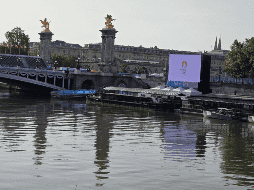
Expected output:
{"points": [[188, 25]]}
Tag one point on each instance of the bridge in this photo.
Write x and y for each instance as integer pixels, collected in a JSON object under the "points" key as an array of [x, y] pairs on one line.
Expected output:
{"points": [[31, 73]]}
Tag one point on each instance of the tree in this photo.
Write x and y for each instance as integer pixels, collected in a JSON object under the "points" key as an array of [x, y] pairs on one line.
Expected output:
{"points": [[65, 61], [18, 41], [124, 67], [3, 48], [240, 60], [249, 53]]}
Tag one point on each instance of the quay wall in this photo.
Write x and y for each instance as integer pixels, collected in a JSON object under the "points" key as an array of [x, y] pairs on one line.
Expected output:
{"points": [[109, 79]]}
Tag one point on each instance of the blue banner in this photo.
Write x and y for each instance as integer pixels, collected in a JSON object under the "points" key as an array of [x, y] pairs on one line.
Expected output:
{"points": [[178, 84]]}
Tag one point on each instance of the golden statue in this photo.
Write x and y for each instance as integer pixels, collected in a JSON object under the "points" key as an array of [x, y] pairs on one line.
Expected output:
{"points": [[46, 25], [108, 21]]}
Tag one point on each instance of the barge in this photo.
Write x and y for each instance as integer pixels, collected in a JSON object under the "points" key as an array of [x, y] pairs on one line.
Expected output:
{"points": [[226, 114], [220, 106], [150, 98], [193, 109]]}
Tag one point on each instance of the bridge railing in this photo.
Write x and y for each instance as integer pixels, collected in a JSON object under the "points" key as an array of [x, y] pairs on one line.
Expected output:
{"points": [[22, 74], [55, 72]]}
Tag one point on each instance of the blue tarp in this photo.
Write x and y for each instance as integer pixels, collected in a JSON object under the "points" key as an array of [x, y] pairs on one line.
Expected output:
{"points": [[66, 92], [75, 92]]}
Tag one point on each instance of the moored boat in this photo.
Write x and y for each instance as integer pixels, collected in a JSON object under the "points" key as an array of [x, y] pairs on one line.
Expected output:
{"points": [[194, 109], [251, 118], [226, 114]]}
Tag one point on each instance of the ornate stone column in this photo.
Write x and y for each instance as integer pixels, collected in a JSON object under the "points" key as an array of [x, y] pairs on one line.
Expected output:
{"points": [[45, 45], [108, 41]]}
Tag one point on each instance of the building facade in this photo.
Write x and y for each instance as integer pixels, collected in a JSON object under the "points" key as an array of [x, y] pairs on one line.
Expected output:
{"points": [[218, 58], [151, 60]]}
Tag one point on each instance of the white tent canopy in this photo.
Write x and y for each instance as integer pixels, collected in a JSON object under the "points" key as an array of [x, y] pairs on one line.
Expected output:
{"points": [[170, 88], [191, 91], [180, 89], [158, 87]]}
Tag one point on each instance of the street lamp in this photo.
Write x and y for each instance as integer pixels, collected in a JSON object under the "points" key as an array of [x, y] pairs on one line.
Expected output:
{"points": [[87, 67], [37, 61], [1, 61], [78, 66], [55, 63], [19, 47], [18, 62], [220, 72], [10, 47]]}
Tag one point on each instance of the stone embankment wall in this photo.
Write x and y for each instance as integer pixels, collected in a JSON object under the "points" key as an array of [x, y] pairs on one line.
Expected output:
{"points": [[217, 88], [232, 89]]}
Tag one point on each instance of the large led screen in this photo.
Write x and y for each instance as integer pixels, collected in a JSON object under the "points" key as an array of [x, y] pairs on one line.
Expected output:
{"points": [[184, 68]]}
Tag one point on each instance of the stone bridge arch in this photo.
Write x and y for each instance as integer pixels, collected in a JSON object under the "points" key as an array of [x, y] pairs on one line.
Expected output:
{"points": [[121, 82], [88, 84]]}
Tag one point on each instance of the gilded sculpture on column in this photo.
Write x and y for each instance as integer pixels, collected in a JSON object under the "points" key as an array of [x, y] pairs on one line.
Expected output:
{"points": [[108, 21], [45, 24]]}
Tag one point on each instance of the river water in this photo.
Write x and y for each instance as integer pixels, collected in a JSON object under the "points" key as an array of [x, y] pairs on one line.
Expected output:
{"points": [[74, 145]]}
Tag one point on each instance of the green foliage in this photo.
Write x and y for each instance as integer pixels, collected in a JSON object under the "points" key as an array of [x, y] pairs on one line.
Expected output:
{"points": [[16, 37], [240, 60], [34, 52], [139, 70], [123, 68], [3, 48], [64, 61], [249, 52], [142, 70]]}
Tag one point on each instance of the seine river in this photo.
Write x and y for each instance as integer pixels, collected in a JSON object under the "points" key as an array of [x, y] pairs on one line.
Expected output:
{"points": [[74, 145]]}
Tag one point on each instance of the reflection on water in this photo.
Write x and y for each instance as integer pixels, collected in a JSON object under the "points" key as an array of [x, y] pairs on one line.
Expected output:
{"points": [[77, 144], [179, 141], [103, 127]]}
